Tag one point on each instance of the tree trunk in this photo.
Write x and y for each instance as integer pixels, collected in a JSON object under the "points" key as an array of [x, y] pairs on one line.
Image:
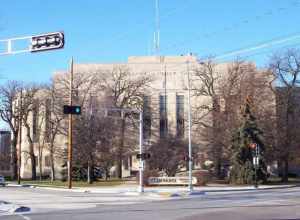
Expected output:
{"points": [[31, 152], [14, 158], [217, 147], [89, 173], [33, 162], [40, 166], [218, 168], [120, 150], [106, 173], [285, 170], [52, 165]]}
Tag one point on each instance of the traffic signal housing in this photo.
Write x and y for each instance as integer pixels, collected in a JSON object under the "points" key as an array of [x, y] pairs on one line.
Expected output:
{"points": [[143, 156], [49, 41], [72, 109]]}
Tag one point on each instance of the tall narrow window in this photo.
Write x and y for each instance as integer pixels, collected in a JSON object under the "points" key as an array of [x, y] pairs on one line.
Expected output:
{"points": [[47, 161], [35, 121], [47, 120], [163, 122], [180, 116], [147, 118]]}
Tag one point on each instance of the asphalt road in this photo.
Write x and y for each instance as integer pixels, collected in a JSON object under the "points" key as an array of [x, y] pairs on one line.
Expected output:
{"points": [[276, 204]]}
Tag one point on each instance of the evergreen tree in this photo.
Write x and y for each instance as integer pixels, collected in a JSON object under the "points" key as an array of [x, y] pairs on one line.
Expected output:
{"points": [[242, 171]]}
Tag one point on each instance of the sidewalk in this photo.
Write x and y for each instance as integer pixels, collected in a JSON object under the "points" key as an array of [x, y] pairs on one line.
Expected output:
{"points": [[166, 191]]}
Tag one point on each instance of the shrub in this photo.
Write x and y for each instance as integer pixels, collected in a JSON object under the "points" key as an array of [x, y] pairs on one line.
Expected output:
{"points": [[146, 174], [203, 176]]}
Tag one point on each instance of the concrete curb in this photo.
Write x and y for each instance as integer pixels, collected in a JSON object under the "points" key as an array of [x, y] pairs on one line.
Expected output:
{"points": [[21, 185], [162, 192], [253, 188]]}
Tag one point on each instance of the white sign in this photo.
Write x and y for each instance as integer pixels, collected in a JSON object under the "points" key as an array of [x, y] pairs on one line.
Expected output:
{"points": [[142, 165], [184, 180], [256, 160]]}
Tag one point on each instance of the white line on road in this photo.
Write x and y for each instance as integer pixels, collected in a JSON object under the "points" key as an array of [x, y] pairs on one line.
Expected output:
{"points": [[24, 217]]}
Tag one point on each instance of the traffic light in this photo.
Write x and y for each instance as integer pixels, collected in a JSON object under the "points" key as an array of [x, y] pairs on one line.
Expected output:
{"points": [[49, 41], [73, 110], [143, 156]]}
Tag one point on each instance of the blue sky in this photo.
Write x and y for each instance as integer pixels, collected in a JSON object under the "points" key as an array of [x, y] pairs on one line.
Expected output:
{"points": [[110, 31]]}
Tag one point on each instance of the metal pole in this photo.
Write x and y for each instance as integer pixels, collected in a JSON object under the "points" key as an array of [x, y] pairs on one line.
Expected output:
{"points": [[256, 164], [157, 37], [189, 125], [141, 168], [20, 139], [70, 129]]}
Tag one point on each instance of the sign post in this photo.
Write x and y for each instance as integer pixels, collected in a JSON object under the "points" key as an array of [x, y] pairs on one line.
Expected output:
{"points": [[255, 150]]}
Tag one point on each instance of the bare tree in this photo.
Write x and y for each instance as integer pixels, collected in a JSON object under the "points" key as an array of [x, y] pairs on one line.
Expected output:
{"points": [[286, 71], [168, 155], [206, 86], [10, 114], [84, 84], [30, 106], [54, 123], [94, 135], [126, 90], [41, 141], [225, 88]]}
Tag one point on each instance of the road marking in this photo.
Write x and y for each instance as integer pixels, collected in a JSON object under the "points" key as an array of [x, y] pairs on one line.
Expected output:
{"points": [[24, 217]]}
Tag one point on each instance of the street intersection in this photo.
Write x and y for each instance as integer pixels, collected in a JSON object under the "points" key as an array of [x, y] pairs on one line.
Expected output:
{"points": [[281, 203]]}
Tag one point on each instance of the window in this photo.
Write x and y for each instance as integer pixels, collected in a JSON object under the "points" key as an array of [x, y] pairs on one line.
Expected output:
{"points": [[35, 121], [180, 116], [146, 117], [47, 161], [126, 163], [163, 122], [47, 120], [36, 161]]}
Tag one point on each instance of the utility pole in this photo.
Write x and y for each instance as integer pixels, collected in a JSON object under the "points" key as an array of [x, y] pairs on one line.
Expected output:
{"points": [[142, 162], [20, 138], [190, 128], [70, 148]]}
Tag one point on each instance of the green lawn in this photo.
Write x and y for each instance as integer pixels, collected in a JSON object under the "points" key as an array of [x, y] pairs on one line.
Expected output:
{"points": [[58, 183]]}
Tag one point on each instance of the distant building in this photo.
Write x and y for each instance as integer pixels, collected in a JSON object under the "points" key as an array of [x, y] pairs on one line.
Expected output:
{"points": [[5, 152]]}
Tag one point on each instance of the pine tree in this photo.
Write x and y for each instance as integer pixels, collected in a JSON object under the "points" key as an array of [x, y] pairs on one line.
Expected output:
{"points": [[242, 171]]}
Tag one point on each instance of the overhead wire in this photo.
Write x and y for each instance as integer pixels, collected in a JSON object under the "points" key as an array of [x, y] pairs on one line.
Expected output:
{"points": [[268, 12]]}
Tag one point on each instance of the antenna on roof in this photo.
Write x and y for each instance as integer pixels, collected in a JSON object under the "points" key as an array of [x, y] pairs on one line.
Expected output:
{"points": [[156, 33]]}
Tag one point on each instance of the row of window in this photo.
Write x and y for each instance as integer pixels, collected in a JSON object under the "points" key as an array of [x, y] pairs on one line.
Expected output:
{"points": [[163, 116], [147, 119]]}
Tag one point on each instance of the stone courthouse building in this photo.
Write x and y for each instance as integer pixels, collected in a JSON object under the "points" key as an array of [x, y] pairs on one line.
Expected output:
{"points": [[166, 97]]}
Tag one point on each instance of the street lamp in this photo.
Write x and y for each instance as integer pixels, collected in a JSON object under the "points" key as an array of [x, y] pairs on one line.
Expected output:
{"points": [[190, 128], [141, 156], [141, 167]]}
